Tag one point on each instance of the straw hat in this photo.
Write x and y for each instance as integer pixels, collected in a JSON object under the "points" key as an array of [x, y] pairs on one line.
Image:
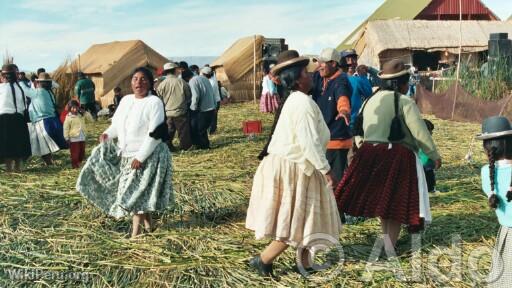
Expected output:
{"points": [[495, 127], [394, 69], [43, 76], [287, 59]]}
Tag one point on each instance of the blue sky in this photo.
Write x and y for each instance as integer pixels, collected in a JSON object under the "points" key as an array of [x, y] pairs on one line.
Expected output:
{"points": [[42, 33]]}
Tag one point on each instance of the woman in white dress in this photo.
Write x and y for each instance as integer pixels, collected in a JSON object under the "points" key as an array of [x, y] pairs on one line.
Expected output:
{"points": [[292, 200]]}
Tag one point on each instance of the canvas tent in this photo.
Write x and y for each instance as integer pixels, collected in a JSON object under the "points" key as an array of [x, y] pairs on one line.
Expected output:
{"points": [[236, 68], [110, 65], [421, 10], [387, 39]]}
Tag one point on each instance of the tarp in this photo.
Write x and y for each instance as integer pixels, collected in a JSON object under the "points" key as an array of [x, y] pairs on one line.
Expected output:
{"points": [[238, 59], [116, 60], [385, 35], [467, 107]]}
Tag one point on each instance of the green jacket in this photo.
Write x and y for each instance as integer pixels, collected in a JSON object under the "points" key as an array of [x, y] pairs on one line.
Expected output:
{"points": [[84, 90], [378, 114]]}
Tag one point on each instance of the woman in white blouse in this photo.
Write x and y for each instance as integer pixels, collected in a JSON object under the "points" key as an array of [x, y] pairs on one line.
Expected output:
{"points": [[292, 201], [14, 135], [143, 183]]}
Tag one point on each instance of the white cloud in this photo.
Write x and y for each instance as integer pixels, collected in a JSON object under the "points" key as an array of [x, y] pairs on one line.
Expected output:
{"points": [[80, 7]]}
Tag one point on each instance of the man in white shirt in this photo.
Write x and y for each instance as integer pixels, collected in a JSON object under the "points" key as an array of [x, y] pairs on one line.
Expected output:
{"points": [[202, 108], [216, 92]]}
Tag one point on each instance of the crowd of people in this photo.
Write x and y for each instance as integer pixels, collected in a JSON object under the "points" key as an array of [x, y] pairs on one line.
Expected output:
{"points": [[338, 148], [341, 148], [328, 122]]}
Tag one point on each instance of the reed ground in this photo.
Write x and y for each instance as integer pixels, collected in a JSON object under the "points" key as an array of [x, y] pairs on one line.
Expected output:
{"points": [[51, 236]]}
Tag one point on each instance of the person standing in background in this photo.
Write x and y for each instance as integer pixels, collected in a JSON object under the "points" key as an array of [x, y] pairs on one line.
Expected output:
{"points": [[14, 135], [84, 90], [202, 108], [269, 98], [176, 96], [22, 79], [216, 92], [332, 92]]}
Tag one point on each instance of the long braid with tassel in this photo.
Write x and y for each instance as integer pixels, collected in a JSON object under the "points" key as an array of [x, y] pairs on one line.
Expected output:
{"points": [[493, 199], [509, 192], [283, 97]]}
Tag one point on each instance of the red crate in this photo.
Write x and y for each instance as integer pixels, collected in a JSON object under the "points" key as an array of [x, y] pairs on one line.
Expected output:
{"points": [[252, 127]]}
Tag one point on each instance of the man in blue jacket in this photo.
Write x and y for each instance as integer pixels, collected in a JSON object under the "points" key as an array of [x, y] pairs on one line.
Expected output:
{"points": [[331, 91]]}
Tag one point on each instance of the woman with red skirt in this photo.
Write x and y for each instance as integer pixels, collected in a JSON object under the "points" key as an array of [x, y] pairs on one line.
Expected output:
{"points": [[385, 178]]}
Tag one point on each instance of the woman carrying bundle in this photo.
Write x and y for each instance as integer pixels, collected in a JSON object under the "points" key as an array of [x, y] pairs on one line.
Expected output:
{"points": [[291, 198], [46, 132], [385, 178]]}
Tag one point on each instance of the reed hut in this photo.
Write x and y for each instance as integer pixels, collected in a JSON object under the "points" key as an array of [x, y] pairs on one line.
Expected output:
{"points": [[110, 64], [431, 10], [240, 67], [426, 43]]}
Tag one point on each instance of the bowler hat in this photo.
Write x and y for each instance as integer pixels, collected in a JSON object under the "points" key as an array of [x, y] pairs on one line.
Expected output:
{"points": [[495, 127], [287, 59], [9, 68], [394, 69], [43, 76]]}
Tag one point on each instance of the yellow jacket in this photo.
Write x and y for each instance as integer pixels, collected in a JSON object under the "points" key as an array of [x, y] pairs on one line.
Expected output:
{"points": [[74, 124]]}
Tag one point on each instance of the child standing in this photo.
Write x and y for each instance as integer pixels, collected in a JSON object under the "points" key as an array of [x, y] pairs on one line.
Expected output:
{"points": [[428, 164], [497, 184], [74, 132]]}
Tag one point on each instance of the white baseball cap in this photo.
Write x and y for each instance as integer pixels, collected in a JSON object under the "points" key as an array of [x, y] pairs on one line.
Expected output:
{"points": [[329, 54], [206, 70], [170, 65]]}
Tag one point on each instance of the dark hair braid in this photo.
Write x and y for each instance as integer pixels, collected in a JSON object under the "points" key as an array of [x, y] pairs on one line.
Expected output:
{"points": [[288, 80], [395, 132], [509, 192], [493, 199]]}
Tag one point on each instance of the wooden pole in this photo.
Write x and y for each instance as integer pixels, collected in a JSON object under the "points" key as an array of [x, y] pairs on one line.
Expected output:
{"points": [[254, 71], [458, 62]]}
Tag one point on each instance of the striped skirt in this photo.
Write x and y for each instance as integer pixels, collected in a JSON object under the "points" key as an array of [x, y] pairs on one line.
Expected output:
{"points": [[268, 102], [385, 181]]}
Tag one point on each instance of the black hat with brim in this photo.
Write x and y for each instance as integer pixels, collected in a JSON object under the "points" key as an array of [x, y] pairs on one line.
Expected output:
{"points": [[289, 58], [495, 127]]}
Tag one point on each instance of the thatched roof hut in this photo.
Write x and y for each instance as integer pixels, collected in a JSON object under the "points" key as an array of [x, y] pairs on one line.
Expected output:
{"points": [[421, 10], [110, 65], [240, 67], [387, 39]]}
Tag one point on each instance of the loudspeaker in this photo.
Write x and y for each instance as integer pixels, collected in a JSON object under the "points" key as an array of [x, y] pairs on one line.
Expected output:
{"points": [[272, 47], [500, 48]]}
